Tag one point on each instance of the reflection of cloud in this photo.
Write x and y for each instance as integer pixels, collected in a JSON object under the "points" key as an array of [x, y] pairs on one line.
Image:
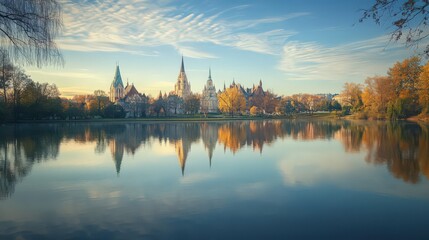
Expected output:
{"points": [[197, 178], [251, 189], [313, 168], [136, 25]]}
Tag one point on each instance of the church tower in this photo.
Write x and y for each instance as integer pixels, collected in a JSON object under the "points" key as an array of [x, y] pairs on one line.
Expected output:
{"points": [[182, 87], [209, 101], [117, 87]]}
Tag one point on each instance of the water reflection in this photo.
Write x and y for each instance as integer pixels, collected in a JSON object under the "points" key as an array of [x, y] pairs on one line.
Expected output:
{"points": [[402, 147]]}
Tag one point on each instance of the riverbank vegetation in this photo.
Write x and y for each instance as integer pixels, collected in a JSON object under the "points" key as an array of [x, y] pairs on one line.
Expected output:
{"points": [[402, 93]]}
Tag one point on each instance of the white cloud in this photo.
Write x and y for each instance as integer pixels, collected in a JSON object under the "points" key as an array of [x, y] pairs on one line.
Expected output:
{"points": [[354, 61], [130, 25]]}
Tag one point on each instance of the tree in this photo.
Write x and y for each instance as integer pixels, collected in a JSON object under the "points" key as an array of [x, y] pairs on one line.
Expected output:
{"points": [[409, 19], [404, 76], [102, 100], [114, 111], [378, 93], [19, 81], [159, 105], [6, 73], [231, 101], [28, 29], [423, 88], [254, 110], [287, 106], [174, 103], [192, 104], [352, 95], [270, 102]]}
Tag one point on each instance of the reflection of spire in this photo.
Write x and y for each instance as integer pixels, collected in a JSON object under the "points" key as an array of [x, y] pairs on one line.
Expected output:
{"points": [[209, 136], [117, 151], [182, 154]]}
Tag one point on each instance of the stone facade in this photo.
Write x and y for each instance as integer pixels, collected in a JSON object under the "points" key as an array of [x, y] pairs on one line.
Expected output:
{"points": [[128, 97], [209, 101], [117, 90], [182, 87]]}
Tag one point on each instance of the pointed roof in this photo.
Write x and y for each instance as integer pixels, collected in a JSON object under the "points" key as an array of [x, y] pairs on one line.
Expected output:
{"points": [[130, 90], [117, 80], [210, 74], [182, 68]]}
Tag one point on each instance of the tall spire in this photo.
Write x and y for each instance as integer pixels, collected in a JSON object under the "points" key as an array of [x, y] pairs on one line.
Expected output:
{"points": [[210, 73], [182, 68], [117, 79]]}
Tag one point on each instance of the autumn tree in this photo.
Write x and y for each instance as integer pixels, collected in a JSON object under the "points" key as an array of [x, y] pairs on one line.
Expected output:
{"points": [[423, 88], [409, 19], [28, 29], [404, 76], [270, 102], [352, 95], [379, 91], [232, 101], [286, 106]]}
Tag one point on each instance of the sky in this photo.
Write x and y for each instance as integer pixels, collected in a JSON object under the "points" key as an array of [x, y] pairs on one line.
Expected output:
{"points": [[293, 46]]}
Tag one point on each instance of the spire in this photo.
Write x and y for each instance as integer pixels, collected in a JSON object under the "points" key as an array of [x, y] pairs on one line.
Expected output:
{"points": [[182, 68], [117, 80], [210, 73], [260, 82]]}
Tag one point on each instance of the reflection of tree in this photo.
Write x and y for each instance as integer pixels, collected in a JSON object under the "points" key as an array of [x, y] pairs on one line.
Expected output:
{"points": [[20, 147], [351, 136], [402, 147]]}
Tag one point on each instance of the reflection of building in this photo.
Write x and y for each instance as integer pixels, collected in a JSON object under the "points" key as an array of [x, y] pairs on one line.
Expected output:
{"points": [[117, 150], [182, 153], [182, 87], [209, 136], [209, 102]]}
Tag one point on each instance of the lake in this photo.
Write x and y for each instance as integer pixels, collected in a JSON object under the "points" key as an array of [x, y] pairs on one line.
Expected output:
{"points": [[274, 179]]}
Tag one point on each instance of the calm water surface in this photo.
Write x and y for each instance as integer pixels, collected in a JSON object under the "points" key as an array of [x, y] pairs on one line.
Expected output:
{"points": [[217, 180]]}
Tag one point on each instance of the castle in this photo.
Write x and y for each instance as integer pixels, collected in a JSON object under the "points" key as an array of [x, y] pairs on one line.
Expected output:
{"points": [[132, 101]]}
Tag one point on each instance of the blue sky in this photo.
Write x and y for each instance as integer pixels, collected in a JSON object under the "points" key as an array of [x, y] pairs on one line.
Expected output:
{"points": [[294, 46]]}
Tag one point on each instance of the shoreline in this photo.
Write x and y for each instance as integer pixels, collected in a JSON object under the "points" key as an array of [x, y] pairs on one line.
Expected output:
{"points": [[219, 118]]}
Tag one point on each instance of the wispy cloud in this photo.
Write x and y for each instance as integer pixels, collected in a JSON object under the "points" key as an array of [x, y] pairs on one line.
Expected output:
{"points": [[355, 61], [130, 25]]}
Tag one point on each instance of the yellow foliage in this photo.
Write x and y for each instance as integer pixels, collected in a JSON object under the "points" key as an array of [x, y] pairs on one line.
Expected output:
{"points": [[232, 101]]}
